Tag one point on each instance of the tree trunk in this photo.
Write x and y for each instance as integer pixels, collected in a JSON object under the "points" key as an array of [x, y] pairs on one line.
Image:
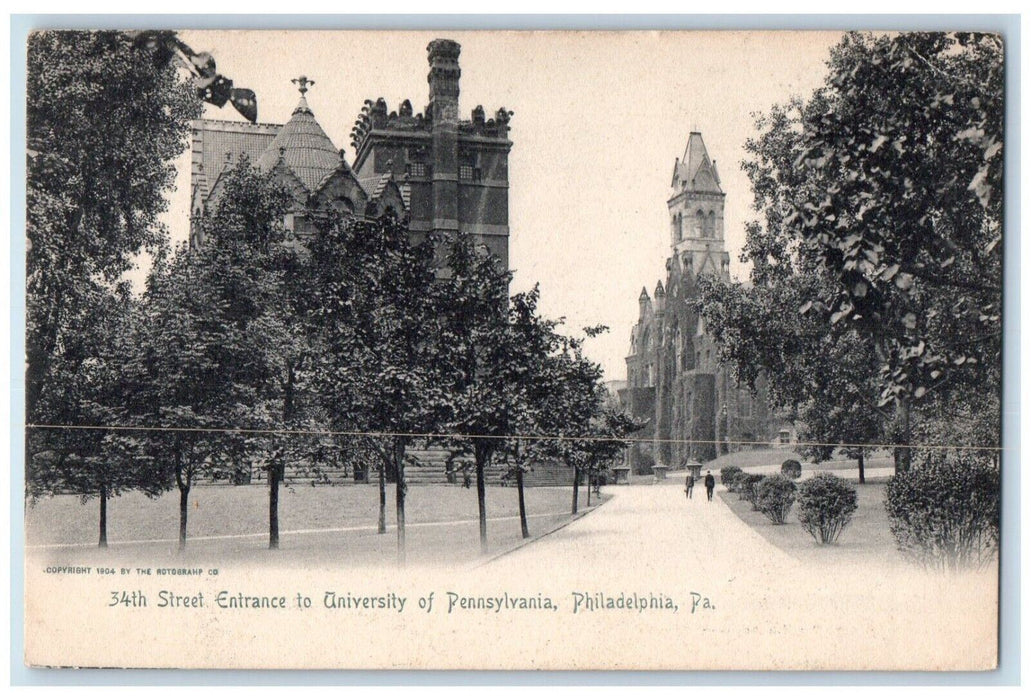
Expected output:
{"points": [[904, 453], [590, 487], [382, 498], [522, 502], [278, 467], [274, 475], [103, 517], [400, 488], [576, 489], [184, 507], [482, 458], [184, 497], [862, 470]]}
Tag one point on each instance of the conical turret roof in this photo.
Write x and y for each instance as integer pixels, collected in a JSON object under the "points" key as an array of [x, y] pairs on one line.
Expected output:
{"points": [[304, 148]]}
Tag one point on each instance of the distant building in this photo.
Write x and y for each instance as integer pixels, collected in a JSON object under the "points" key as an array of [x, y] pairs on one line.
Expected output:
{"points": [[442, 173], [693, 407]]}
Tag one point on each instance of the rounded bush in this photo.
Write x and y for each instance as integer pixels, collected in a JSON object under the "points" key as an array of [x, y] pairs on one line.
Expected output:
{"points": [[826, 504], [745, 487], [791, 468], [727, 476], [738, 485], [945, 514], [775, 494]]}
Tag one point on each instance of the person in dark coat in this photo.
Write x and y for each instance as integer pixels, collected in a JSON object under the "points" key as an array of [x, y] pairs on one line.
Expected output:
{"points": [[689, 485], [710, 484]]}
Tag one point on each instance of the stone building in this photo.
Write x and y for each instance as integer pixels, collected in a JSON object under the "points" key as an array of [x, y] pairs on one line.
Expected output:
{"points": [[693, 407], [439, 173], [444, 174]]}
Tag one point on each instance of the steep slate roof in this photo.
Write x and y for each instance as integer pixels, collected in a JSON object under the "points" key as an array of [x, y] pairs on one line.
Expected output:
{"points": [[304, 147], [695, 168], [219, 138]]}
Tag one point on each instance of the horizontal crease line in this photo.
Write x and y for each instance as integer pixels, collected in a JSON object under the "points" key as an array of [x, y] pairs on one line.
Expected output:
{"points": [[468, 436]]}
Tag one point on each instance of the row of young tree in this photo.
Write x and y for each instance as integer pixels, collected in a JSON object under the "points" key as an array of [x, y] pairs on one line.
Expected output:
{"points": [[875, 304], [252, 350]]}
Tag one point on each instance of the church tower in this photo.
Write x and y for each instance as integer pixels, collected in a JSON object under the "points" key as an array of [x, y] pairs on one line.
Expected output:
{"points": [[691, 406], [696, 212]]}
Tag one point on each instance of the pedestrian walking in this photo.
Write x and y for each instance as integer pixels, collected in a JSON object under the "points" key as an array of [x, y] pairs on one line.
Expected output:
{"points": [[710, 484], [689, 485]]}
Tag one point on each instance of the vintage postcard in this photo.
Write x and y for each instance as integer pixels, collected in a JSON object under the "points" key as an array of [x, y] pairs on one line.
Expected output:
{"points": [[497, 350]]}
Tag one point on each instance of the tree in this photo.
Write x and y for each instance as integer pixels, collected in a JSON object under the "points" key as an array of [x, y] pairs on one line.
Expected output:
{"points": [[589, 434], [259, 285], [527, 384], [91, 450], [187, 352], [104, 123], [880, 200], [108, 112], [373, 305], [471, 303]]}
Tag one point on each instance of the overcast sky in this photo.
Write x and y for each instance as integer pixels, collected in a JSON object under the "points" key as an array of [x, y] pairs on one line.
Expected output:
{"points": [[599, 119]]}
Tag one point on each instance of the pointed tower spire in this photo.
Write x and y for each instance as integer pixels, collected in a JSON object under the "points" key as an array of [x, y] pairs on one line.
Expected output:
{"points": [[302, 145]]}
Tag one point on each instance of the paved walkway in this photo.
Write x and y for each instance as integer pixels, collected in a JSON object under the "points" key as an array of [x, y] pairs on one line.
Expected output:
{"points": [[654, 529], [766, 609]]}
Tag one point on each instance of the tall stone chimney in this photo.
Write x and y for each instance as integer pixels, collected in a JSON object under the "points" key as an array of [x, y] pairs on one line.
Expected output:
{"points": [[443, 110], [443, 80]]}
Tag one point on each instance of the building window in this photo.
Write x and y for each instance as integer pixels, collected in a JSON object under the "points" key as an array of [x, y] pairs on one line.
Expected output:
{"points": [[467, 172], [784, 437], [417, 169]]}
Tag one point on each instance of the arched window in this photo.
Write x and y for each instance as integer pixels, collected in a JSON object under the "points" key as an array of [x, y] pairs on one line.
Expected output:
{"points": [[710, 225], [699, 225], [344, 205]]}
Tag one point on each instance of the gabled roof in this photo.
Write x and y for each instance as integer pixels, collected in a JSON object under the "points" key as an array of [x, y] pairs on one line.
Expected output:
{"points": [[218, 145], [304, 148]]}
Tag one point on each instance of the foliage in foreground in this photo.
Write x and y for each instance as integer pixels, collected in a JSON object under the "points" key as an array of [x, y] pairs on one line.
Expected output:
{"points": [[745, 486], [774, 496], [826, 504], [728, 475], [945, 514]]}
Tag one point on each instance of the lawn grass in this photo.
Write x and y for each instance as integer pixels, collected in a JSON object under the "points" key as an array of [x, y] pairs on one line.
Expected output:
{"points": [[753, 458], [867, 539], [760, 458], [319, 525]]}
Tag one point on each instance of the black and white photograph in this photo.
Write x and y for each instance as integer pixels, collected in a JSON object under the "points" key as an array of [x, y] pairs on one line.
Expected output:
{"points": [[511, 350]]}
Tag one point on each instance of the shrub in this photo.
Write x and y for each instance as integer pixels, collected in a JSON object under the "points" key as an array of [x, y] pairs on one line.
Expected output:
{"points": [[727, 476], [945, 514], [738, 485], [745, 486], [825, 506], [775, 495], [791, 468], [752, 489]]}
